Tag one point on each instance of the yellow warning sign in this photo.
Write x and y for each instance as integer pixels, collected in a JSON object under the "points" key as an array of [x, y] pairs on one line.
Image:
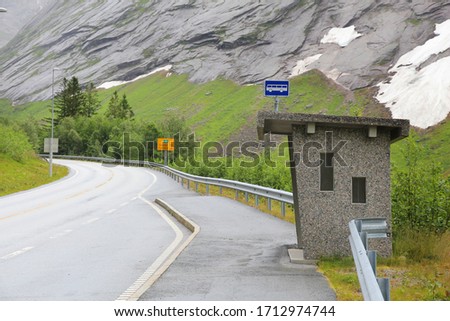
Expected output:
{"points": [[166, 144]]}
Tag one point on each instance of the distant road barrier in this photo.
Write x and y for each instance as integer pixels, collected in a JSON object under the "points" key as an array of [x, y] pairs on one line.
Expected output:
{"points": [[248, 189], [373, 288]]}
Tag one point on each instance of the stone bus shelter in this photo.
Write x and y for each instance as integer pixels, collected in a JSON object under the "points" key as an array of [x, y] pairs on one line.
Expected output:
{"points": [[340, 168]]}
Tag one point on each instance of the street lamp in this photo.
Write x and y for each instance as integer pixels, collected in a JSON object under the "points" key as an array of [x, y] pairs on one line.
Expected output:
{"points": [[50, 170]]}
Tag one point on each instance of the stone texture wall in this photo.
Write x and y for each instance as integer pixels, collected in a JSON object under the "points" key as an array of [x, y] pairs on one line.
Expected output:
{"points": [[324, 215]]}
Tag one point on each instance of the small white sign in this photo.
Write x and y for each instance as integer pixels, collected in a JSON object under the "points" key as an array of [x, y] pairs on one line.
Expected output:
{"points": [[54, 145]]}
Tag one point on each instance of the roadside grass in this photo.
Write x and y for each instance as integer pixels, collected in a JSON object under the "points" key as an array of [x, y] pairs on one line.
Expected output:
{"points": [[417, 277], [20, 176]]}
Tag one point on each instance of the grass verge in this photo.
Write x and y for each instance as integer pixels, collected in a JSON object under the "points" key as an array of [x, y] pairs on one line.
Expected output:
{"points": [[19, 176], [419, 279]]}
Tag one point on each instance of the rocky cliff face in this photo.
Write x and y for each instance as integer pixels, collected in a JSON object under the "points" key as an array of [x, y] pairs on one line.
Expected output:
{"points": [[19, 13], [353, 41]]}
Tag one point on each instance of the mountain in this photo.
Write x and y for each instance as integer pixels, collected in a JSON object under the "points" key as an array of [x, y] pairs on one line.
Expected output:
{"points": [[357, 43], [19, 13]]}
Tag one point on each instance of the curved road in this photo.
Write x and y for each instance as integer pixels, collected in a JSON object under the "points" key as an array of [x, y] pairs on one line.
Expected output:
{"points": [[87, 237], [97, 235]]}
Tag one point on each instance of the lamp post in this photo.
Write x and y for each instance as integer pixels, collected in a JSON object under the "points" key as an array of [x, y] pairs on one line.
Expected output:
{"points": [[50, 170]]}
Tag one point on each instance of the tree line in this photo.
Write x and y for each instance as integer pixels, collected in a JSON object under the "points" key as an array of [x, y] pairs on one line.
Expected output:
{"points": [[74, 101]]}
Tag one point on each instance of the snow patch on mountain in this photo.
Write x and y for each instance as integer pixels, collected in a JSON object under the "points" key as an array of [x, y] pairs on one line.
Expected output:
{"points": [[419, 90], [341, 36], [111, 84], [304, 65]]}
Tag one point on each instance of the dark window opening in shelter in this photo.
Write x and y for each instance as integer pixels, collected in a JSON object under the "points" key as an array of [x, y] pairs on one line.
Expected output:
{"points": [[358, 189], [326, 172]]}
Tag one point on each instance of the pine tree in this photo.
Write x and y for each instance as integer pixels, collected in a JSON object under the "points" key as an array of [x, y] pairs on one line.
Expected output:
{"points": [[125, 108], [113, 106], [69, 100], [119, 109], [91, 103]]}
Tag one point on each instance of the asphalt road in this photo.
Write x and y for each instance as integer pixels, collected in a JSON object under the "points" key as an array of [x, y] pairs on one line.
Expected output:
{"points": [[94, 234], [87, 237], [240, 254]]}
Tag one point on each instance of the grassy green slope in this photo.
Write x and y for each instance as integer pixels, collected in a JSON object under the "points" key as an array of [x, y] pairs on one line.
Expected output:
{"points": [[437, 141], [221, 109], [216, 110], [37, 110], [19, 176], [436, 145], [20, 169]]}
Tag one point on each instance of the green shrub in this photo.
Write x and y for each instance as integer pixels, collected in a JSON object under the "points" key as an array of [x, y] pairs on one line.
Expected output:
{"points": [[14, 143], [420, 193]]}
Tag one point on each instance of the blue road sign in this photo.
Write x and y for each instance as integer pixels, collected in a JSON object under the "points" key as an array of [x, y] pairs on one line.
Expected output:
{"points": [[276, 88]]}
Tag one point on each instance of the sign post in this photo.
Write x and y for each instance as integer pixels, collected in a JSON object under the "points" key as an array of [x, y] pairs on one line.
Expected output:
{"points": [[51, 147], [166, 145], [276, 88]]}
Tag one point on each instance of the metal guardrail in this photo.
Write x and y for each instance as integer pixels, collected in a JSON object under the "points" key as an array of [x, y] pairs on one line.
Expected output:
{"points": [[248, 189], [361, 230]]}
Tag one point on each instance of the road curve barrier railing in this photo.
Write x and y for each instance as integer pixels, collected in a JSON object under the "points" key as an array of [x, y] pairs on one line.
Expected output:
{"points": [[361, 230], [193, 181]]}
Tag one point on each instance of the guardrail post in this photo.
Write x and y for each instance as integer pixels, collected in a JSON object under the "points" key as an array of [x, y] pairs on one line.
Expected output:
{"points": [[237, 195], [364, 239], [385, 288], [220, 190], [246, 197], [361, 230], [196, 187], [188, 184], [256, 200], [372, 255], [207, 189], [283, 209], [269, 204]]}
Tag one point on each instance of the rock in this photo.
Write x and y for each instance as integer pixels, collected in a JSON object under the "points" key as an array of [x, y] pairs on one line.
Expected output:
{"points": [[246, 41], [19, 13]]}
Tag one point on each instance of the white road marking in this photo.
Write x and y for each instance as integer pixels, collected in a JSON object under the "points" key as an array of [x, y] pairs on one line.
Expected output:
{"points": [[17, 253], [139, 287], [111, 211], [95, 219], [134, 198], [61, 234], [124, 204]]}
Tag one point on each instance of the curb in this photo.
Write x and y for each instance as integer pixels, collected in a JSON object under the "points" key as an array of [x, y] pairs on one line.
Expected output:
{"points": [[191, 226], [187, 223]]}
